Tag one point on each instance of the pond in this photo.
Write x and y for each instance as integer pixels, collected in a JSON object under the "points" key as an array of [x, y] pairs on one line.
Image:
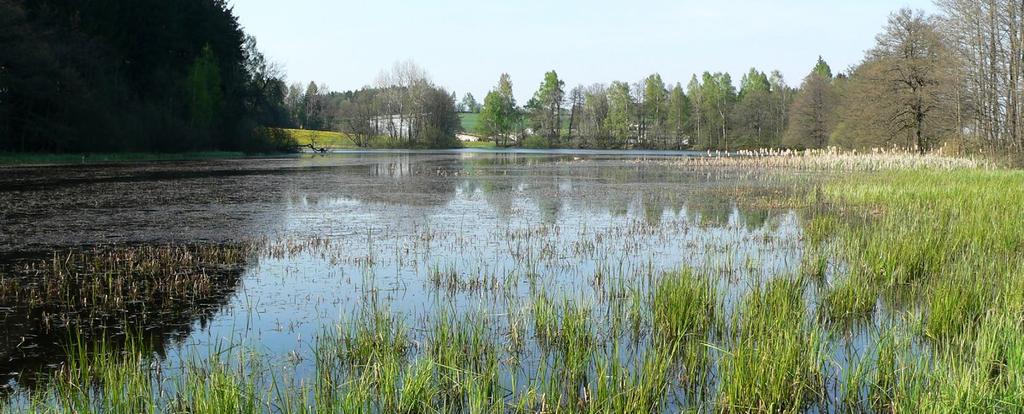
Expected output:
{"points": [[290, 249]]}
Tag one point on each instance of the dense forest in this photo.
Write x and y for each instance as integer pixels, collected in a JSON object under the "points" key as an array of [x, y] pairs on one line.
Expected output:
{"points": [[141, 75]]}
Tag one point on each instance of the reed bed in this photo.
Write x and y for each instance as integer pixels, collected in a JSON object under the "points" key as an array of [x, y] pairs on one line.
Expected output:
{"points": [[105, 279], [835, 159]]}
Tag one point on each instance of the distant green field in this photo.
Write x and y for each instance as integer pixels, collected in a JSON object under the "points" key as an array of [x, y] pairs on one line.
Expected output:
{"points": [[479, 145], [470, 122], [329, 139]]}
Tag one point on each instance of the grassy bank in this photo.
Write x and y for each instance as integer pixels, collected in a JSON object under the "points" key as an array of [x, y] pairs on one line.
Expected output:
{"points": [[470, 121], [328, 139], [479, 145]]}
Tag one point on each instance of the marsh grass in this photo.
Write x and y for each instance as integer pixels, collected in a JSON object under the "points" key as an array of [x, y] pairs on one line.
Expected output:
{"points": [[942, 252], [927, 261], [774, 361], [685, 307], [835, 159], [849, 300], [107, 279]]}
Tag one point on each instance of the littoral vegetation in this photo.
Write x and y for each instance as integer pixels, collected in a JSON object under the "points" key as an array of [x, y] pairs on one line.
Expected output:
{"points": [[908, 297]]}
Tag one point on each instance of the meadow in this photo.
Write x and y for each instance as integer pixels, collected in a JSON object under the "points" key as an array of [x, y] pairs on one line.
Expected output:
{"points": [[772, 283], [470, 121], [327, 139]]}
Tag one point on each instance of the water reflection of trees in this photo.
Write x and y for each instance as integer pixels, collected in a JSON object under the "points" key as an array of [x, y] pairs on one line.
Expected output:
{"points": [[36, 337], [556, 184]]}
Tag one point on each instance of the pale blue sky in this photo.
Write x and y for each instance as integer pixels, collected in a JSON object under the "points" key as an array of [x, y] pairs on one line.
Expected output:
{"points": [[466, 45]]}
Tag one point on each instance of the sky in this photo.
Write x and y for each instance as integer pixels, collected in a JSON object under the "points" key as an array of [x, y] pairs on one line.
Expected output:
{"points": [[466, 45]]}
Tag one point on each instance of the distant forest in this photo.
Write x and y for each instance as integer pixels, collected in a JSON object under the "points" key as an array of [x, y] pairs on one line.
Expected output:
{"points": [[153, 75], [952, 80], [140, 75]]}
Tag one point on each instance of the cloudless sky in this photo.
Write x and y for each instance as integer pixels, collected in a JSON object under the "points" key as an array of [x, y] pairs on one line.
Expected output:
{"points": [[466, 45]]}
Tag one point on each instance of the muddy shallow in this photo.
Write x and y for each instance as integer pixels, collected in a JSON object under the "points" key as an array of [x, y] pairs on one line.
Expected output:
{"points": [[416, 231]]}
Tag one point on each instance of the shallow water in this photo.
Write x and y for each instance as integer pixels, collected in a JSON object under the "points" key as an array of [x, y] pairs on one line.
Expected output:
{"points": [[469, 231]]}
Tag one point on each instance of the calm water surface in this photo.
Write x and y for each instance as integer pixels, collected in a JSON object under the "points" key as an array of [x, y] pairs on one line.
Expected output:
{"points": [[420, 233]]}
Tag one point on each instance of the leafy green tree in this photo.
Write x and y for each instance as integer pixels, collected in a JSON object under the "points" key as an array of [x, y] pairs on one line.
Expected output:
{"points": [[269, 91], [751, 120], [593, 130], [469, 103], [141, 75], [499, 117], [619, 122], [205, 92], [655, 110], [812, 115], [718, 95], [697, 123], [752, 115], [782, 97], [823, 70], [545, 107], [313, 108], [754, 81], [678, 116]]}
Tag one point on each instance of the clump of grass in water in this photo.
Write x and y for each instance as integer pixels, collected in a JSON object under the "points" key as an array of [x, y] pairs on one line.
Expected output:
{"points": [[620, 388], [565, 337], [99, 378], [983, 375], [774, 359], [849, 299], [361, 359], [685, 310], [897, 383], [466, 361], [955, 305], [120, 280], [214, 386], [684, 307]]}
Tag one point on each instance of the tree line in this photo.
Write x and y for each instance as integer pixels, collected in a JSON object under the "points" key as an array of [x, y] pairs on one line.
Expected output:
{"points": [[152, 75], [954, 79], [141, 75], [402, 108]]}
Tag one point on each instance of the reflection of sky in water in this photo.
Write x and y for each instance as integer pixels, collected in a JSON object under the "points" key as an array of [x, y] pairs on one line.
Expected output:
{"points": [[344, 228], [501, 219]]}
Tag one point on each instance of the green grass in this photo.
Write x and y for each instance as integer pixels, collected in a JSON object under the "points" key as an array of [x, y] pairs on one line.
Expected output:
{"points": [[470, 122], [775, 359], [536, 142], [684, 307], [932, 260], [479, 145], [328, 139], [943, 252]]}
